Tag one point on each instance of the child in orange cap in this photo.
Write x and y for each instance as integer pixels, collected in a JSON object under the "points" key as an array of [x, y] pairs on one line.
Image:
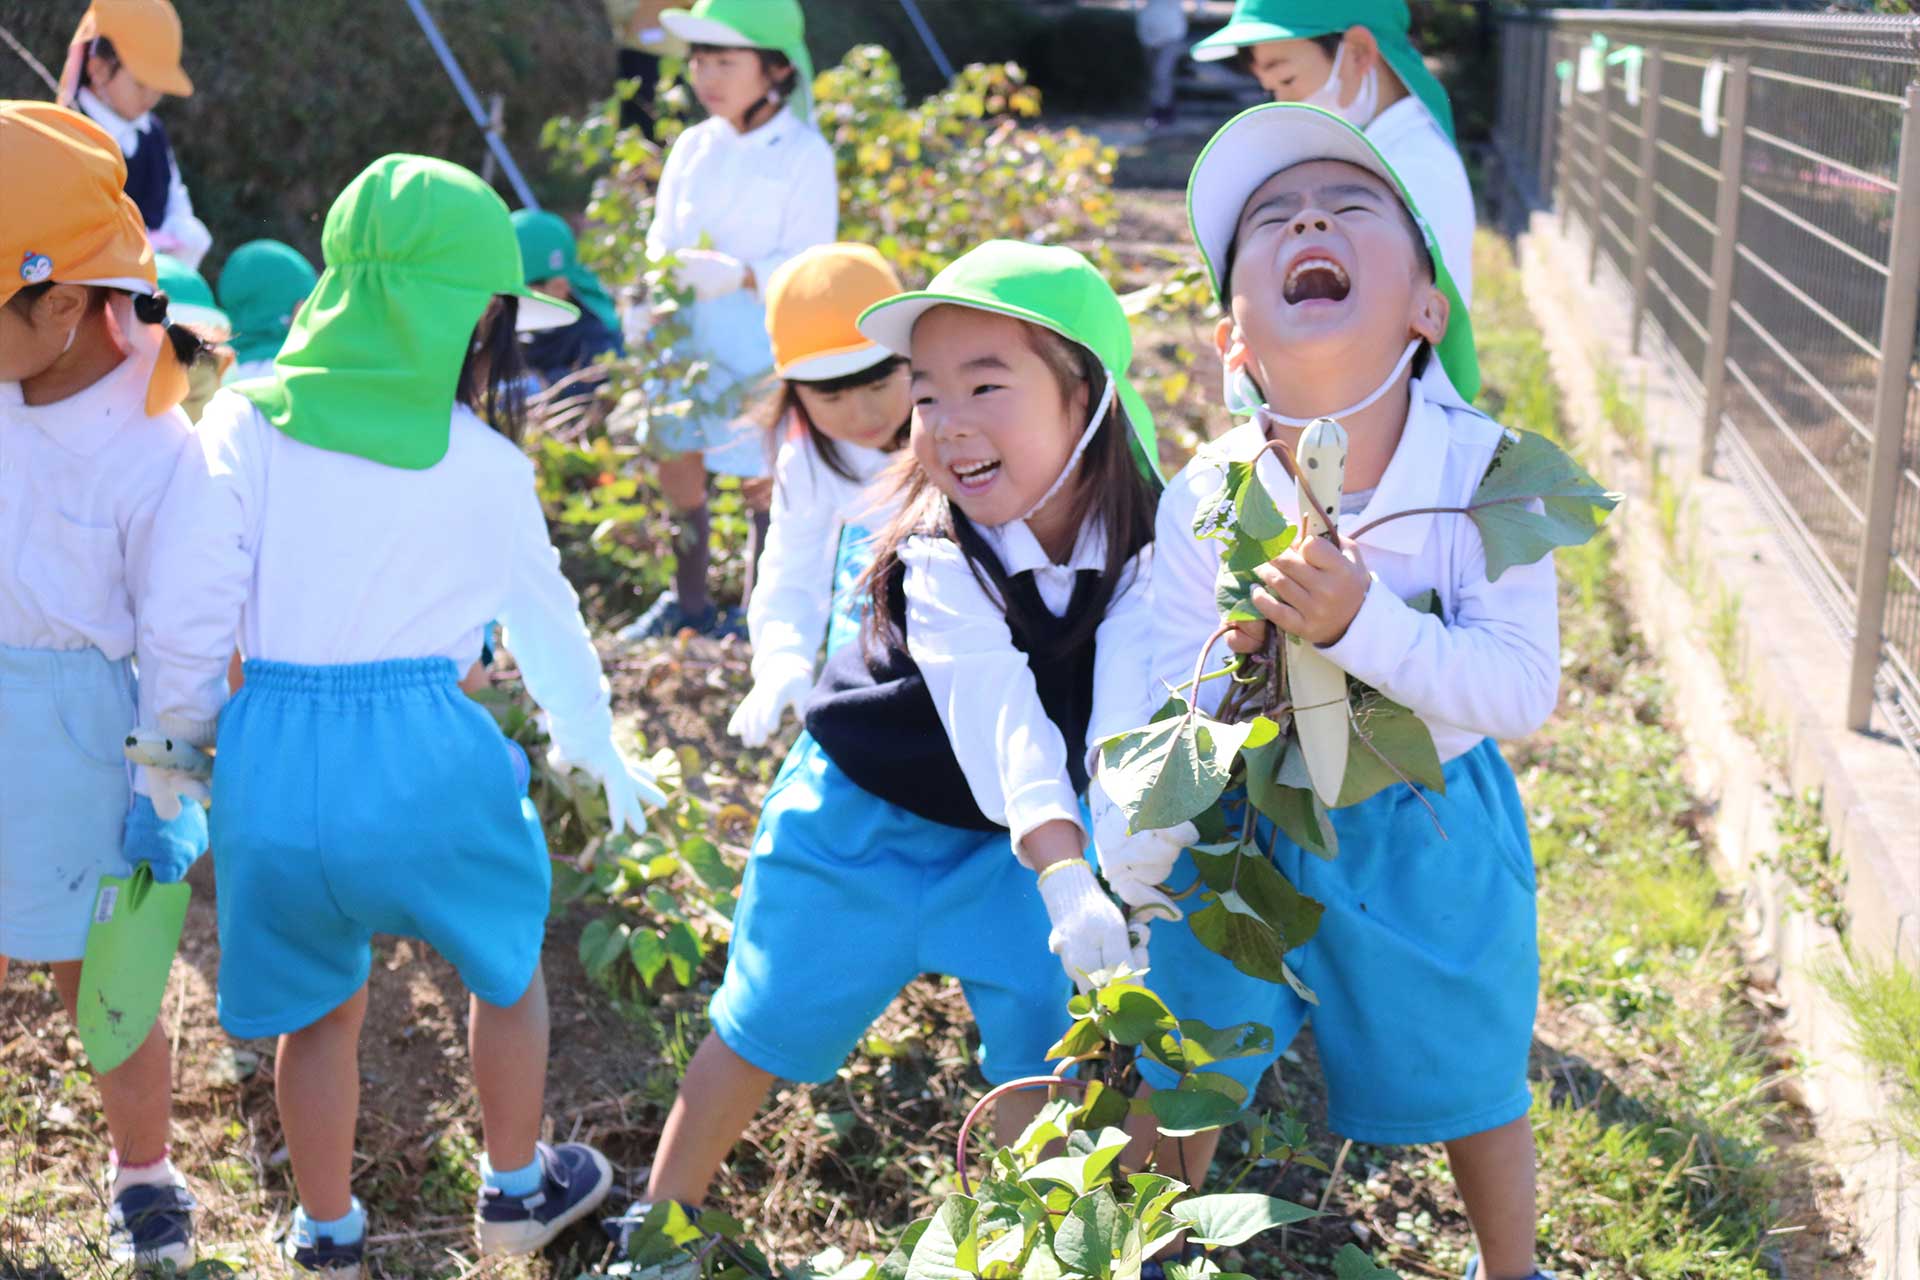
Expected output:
{"points": [[842, 411], [123, 59], [90, 374]]}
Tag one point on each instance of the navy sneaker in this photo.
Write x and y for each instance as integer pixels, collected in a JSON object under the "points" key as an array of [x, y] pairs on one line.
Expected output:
{"points": [[665, 618], [574, 1179], [1473, 1272], [312, 1254], [149, 1225]]}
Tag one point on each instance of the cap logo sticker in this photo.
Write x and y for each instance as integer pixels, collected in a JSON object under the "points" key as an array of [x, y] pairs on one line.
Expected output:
{"points": [[36, 268]]}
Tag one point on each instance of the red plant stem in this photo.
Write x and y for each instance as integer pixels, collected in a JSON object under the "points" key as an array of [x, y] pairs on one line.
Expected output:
{"points": [[1206, 652], [994, 1095], [1441, 511]]}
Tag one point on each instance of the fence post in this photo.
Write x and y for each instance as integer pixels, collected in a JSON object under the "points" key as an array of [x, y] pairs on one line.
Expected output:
{"points": [[1897, 320], [1597, 199], [1726, 224], [1643, 201]]}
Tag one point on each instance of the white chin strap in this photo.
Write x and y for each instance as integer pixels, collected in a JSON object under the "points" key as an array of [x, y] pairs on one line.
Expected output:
{"points": [[1267, 414], [1073, 459]]}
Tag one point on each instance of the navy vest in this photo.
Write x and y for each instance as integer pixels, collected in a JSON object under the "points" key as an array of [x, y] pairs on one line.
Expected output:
{"points": [[876, 720], [150, 175]]}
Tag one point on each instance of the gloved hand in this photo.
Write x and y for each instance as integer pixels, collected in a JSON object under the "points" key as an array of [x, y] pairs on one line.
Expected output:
{"points": [[710, 274], [1089, 933], [170, 786], [629, 786], [785, 684], [1137, 864], [168, 846]]}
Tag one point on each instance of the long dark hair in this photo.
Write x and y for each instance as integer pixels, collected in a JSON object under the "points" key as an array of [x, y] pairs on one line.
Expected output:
{"points": [[151, 308], [493, 378], [785, 402], [101, 47], [1111, 488]]}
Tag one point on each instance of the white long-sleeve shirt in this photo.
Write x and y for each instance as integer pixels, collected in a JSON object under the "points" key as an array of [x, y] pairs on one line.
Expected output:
{"points": [[761, 197], [190, 236], [302, 555], [1420, 152], [793, 587], [80, 483], [1013, 756], [1488, 667]]}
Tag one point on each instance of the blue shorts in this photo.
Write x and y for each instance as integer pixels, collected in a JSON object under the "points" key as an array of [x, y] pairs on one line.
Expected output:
{"points": [[356, 800], [64, 792], [1427, 965], [848, 898]]}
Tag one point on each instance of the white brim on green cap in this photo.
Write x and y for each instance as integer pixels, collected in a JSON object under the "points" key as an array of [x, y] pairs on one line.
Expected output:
{"points": [[539, 312], [690, 29], [1275, 136], [1235, 36]]}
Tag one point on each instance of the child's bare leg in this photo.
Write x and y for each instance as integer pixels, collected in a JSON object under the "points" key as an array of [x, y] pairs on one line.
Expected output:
{"points": [[718, 1100], [137, 1095], [509, 1049], [1014, 1112], [317, 1085], [1174, 1157], [1494, 1171]]}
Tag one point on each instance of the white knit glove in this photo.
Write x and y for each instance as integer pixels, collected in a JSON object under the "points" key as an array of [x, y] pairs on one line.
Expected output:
{"points": [[629, 786], [785, 684], [1089, 933], [710, 274], [168, 787], [1137, 864]]}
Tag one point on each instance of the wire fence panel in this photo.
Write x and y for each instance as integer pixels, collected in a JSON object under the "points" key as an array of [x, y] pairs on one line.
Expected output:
{"points": [[1816, 390]]}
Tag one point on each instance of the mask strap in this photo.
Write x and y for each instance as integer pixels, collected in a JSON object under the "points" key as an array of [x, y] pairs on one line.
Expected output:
{"points": [[1267, 414], [1073, 459]]}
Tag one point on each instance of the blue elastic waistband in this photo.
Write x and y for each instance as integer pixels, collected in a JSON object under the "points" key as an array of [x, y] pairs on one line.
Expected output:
{"points": [[353, 679], [41, 668]]}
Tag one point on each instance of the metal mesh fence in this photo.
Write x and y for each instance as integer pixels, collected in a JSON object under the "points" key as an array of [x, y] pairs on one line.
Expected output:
{"points": [[1742, 173]]}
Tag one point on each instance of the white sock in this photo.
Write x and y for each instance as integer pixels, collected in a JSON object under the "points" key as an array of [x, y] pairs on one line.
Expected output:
{"points": [[158, 1173]]}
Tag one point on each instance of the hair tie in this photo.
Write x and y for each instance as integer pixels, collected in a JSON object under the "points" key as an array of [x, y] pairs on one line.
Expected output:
{"points": [[151, 308]]}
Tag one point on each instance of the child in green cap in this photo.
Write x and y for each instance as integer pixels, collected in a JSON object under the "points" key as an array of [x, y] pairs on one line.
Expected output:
{"points": [[1340, 304], [743, 191], [1356, 59], [355, 520], [261, 287], [552, 263], [918, 826]]}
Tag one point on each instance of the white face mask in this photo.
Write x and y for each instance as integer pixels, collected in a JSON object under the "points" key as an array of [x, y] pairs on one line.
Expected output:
{"points": [[1366, 100], [1243, 397]]}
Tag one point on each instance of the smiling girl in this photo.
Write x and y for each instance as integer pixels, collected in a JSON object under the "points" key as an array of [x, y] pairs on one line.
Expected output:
{"points": [[919, 826]]}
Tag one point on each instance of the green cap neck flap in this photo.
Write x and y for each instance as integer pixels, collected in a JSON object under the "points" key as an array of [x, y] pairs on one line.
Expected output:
{"points": [[548, 249], [1052, 287], [415, 249], [1258, 21], [262, 285], [1273, 137], [751, 24]]}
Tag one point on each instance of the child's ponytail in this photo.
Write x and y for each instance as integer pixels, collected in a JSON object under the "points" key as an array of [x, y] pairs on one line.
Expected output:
{"points": [[188, 346]]}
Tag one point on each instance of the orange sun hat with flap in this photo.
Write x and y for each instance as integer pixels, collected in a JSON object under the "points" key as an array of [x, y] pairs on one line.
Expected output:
{"points": [[146, 38], [80, 226], [814, 303]]}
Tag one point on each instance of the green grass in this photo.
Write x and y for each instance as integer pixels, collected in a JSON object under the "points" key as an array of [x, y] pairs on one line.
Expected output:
{"points": [[1882, 1007], [1626, 413], [1658, 1128], [1806, 857]]}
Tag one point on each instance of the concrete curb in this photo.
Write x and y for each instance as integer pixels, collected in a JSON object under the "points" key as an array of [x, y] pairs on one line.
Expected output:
{"points": [[1796, 680]]}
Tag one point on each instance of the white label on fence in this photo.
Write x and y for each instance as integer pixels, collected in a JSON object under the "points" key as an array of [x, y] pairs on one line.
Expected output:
{"points": [[104, 905], [1712, 80], [1631, 68], [1565, 71], [1592, 73]]}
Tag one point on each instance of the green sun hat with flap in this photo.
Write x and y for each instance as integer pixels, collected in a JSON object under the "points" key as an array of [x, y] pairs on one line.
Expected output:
{"points": [[1264, 140], [751, 24], [1258, 21], [1046, 285], [416, 248], [261, 286]]}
